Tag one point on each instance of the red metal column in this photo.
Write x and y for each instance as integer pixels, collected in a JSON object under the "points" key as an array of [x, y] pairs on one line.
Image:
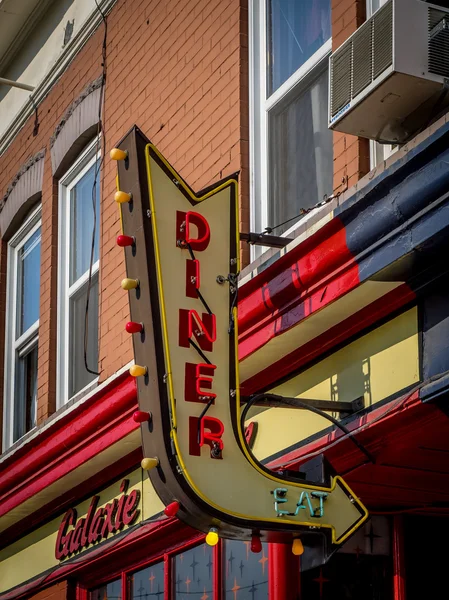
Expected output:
{"points": [[167, 577], [218, 578], [398, 559], [283, 573]]}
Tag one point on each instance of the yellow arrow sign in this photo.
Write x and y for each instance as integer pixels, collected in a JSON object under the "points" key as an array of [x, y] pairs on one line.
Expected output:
{"points": [[185, 258]]}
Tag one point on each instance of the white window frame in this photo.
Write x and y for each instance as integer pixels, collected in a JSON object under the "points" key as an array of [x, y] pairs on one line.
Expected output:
{"points": [[29, 338], [260, 105], [82, 165]]}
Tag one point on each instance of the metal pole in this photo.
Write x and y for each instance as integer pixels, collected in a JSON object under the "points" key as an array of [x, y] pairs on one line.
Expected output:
{"points": [[17, 84], [399, 573]]}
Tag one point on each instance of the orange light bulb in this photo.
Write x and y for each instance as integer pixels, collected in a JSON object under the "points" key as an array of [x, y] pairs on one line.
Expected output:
{"points": [[122, 197], [138, 371], [297, 547], [117, 154]]}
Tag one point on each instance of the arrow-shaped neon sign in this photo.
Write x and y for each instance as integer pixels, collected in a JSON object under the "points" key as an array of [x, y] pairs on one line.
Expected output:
{"points": [[185, 259]]}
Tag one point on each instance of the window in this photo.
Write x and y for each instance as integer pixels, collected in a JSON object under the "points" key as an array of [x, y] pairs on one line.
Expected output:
{"points": [[22, 325], [361, 568], [291, 145], [79, 202], [245, 573], [108, 591], [373, 5], [193, 572], [147, 583]]}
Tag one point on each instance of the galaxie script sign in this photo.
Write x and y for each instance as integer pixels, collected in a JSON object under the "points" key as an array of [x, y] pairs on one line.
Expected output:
{"points": [[76, 534]]}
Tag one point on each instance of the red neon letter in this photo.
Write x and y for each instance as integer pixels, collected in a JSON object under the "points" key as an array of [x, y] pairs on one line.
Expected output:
{"points": [[183, 223], [197, 377], [216, 430], [192, 278], [63, 540], [212, 437], [205, 330]]}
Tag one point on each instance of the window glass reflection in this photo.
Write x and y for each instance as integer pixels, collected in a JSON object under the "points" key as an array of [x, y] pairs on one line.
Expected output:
{"points": [[245, 573], [301, 154], [193, 573], [296, 30], [29, 269], [147, 583], [82, 223], [25, 398], [109, 591]]}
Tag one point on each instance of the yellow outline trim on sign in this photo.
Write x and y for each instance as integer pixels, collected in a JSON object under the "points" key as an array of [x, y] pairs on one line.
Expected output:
{"points": [[173, 432]]}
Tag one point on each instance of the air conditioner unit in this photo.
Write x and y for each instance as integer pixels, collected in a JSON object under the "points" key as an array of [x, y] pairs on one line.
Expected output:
{"points": [[391, 77]]}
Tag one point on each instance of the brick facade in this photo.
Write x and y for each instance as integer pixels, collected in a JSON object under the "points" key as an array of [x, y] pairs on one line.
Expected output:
{"points": [[179, 70]]}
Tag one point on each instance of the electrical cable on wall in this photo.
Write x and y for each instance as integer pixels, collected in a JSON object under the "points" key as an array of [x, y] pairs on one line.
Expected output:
{"points": [[301, 213], [99, 164]]}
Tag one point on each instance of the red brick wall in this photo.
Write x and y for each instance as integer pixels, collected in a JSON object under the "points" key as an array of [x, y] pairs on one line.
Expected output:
{"points": [[179, 71], [351, 154]]}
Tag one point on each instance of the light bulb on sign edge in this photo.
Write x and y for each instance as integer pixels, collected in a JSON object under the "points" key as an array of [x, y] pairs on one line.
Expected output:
{"points": [[212, 537], [297, 547], [140, 416], [138, 371], [125, 240], [171, 509], [122, 197], [129, 284], [149, 463], [117, 154], [256, 544], [133, 327]]}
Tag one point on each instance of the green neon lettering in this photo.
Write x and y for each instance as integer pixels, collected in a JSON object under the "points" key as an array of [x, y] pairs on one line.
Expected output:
{"points": [[304, 502]]}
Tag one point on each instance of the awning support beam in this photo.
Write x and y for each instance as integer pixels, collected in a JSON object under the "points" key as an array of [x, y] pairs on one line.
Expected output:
{"points": [[276, 401], [264, 239]]}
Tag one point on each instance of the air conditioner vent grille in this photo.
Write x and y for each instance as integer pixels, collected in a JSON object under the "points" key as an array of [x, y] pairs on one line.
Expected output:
{"points": [[362, 58], [382, 39], [341, 78], [438, 42]]}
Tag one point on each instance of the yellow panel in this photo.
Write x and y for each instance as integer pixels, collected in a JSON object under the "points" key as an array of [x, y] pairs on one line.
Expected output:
{"points": [[375, 366], [35, 553]]}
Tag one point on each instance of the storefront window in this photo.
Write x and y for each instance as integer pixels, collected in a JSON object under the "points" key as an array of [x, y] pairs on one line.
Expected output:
{"points": [[245, 574], [109, 591], [361, 569], [147, 583], [193, 574]]}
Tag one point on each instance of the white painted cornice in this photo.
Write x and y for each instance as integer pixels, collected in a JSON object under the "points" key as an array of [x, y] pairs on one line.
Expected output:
{"points": [[43, 88]]}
